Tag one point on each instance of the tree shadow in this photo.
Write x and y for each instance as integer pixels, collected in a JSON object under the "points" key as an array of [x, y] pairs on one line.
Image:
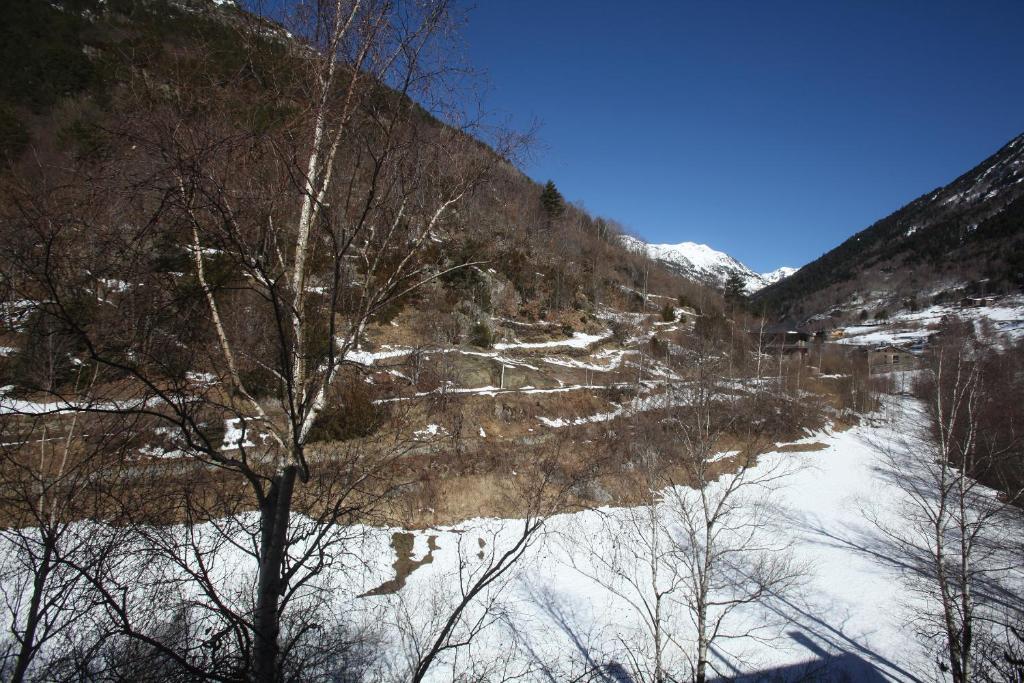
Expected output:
{"points": [[835, 655], [839, 666], [594, 665], [820, 629], [904, 469]]}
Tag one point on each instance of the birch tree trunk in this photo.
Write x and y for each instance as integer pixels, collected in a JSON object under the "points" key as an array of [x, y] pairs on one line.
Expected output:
{"points": [[959, 529]]}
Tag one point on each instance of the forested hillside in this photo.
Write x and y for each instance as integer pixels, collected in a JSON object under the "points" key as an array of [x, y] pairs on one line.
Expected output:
{"points": [[964, 238], [91, 82], [302, 379], [287, 279]]}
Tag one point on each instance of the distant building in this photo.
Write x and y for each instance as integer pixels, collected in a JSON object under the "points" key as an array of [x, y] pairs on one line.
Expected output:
{"points": [[783, 338], [820, 328], [890, 359], [977, 301]]}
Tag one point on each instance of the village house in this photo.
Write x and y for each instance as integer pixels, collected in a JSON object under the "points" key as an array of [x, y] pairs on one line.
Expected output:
{"points": [[977, 301], [783, 338], [890, 358]]}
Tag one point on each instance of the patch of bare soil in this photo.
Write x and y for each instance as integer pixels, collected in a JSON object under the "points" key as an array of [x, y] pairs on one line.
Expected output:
{"points": [[404, 566], [801, 447]]}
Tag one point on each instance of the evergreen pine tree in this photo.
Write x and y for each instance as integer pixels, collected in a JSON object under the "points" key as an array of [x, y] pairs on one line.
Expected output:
{"points": [[735, 289], [552, 203]]}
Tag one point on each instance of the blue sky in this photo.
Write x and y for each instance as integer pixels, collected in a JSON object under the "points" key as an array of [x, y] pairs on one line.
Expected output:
{"points": [[769, 130]]}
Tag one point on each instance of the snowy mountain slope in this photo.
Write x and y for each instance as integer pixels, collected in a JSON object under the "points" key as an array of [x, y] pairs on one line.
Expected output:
{"points": [[966, 234], [1001, 320], [701, 262], [774, 276]]}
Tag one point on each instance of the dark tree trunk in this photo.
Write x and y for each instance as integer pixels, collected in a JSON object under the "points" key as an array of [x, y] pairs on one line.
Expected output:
{"points": [[274, 515], [27, 650]]}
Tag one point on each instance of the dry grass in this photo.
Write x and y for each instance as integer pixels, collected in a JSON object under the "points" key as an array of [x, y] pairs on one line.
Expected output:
{"points": [[801, 447], [457, 475], [841, 423]]}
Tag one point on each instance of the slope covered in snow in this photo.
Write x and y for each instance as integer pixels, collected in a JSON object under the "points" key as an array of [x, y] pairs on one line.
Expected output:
{"points": [[701, 262], [998, 322], [832, 496], [774, 276]]}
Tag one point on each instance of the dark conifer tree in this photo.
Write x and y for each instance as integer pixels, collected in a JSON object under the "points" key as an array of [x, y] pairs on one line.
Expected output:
{"points": [[735, 289], [552, 202]]}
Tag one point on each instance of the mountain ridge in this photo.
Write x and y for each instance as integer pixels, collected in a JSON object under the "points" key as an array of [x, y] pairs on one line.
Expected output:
{"points": [[965, 237], [705, 264]]}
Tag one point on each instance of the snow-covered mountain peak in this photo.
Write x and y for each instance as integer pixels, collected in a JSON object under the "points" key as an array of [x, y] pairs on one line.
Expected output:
{"points": [[701, 256], [778, 274], [701, 262]]}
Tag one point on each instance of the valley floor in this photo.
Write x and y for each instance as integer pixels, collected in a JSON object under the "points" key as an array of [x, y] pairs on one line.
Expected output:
{"points": [[567, 612], [851, 615]]}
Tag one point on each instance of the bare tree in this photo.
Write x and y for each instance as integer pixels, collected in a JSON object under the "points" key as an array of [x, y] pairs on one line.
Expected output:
{"points": [[438, 627], [703, 541], [291, 238], [53, 471], [632, 556], [727, 539], [954, 532], [472, 597]]}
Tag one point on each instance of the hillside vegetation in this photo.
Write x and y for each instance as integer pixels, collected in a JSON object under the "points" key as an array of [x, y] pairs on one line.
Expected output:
{"points": [[304, 380], [964, 238], [92, 82]]}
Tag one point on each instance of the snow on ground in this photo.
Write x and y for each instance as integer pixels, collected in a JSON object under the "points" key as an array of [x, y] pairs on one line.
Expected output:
{"points": [[492, 391], [429, 431], [614, 357], [579, 340], [669, 396], [497, 358], [14, 313], [370, 357], [1006, 316], [864, 335], [201, 378], [16, 406], [851, 612], [565, 422], [612, 315], [236, 435], [724, 455]]}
